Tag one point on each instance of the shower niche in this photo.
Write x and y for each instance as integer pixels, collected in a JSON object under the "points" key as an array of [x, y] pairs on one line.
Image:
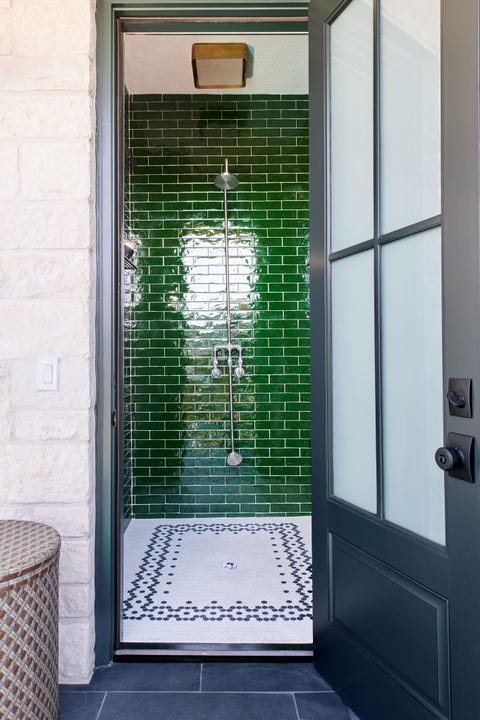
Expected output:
{"points": [[215, 477]]}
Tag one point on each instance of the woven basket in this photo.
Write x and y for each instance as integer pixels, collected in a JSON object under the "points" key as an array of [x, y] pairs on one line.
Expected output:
{"points": [[29, 554]]}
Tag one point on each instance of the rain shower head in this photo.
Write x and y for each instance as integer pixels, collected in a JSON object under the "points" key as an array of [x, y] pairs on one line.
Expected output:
{"points": [[226, 181]]}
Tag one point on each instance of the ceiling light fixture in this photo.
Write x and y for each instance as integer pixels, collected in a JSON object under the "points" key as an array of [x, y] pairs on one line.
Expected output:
{"points": [[219, 65]]}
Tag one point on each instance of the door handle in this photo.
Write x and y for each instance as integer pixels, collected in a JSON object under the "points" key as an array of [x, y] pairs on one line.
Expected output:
{"points": [[449, 458], [457, 457]]}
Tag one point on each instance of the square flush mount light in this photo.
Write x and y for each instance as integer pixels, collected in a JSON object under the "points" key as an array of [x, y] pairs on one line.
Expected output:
{"points": [[219, 65]]}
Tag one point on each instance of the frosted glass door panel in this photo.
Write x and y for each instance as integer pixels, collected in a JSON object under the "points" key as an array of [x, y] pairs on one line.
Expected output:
{"points": [[351, 120], [353, 375], [412, 384], [410, 112]]}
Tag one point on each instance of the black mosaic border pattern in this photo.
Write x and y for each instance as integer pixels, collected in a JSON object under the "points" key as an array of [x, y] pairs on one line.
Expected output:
{"points": [[158, 562]]}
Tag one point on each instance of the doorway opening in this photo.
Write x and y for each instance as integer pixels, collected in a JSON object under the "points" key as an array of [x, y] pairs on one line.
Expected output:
{"points": [[213, 348]]}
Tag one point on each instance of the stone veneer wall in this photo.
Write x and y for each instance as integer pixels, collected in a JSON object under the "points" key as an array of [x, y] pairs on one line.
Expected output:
{"points": [[47, 65]]}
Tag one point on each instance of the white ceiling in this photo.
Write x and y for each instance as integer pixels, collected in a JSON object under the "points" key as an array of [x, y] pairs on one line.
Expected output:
{"points": [[161, 64]]}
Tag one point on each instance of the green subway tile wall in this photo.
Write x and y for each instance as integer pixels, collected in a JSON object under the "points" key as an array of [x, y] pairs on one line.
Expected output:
{"points": [[176, 415]]}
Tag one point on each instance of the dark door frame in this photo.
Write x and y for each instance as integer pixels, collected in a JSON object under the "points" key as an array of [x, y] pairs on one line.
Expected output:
{"points": [[109, 15]]}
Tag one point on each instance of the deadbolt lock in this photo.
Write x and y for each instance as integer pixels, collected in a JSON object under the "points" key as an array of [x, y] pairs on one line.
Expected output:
{"points": [[459, 396]]}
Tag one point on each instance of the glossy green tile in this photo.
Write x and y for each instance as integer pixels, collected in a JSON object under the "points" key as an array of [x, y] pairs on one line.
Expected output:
{"points": [[176, 416]]}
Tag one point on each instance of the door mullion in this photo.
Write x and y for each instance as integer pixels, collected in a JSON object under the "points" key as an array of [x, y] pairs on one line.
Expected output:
{"points": [[378, 382], [377, 252]]}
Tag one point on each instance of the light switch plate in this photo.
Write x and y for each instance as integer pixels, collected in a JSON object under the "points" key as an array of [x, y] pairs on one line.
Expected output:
{"points": [[47, 374]]}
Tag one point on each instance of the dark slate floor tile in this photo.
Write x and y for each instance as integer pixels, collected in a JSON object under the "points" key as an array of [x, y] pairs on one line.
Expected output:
{"points": [[261, 677], [321, 706], [75, 705], [198, 706], [147, 676]]}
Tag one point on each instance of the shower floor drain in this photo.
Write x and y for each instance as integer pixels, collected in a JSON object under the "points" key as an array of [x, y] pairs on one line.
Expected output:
{"points": [[229, 565]]}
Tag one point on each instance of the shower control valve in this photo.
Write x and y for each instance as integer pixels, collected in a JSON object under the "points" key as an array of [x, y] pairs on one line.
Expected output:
{"points": [[239, 370], [228, 351], [216, 372]]}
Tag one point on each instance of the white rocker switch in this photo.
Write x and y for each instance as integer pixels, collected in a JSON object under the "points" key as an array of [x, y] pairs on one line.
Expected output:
{"points": [[47, 374]]}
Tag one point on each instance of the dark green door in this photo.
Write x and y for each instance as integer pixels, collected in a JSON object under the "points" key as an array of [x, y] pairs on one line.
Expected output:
{"points": [[395, 325]]}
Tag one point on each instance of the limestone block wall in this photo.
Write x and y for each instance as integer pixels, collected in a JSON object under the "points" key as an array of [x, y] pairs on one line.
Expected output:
{"points": [[47, 86]]}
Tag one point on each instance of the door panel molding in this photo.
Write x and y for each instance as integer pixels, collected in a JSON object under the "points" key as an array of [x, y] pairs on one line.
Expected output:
{"points": [[394, 618], [418, 558], [373, 685]]}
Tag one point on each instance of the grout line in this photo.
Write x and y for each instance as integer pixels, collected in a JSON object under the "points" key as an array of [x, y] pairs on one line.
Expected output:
{"points": [[219, 692], [101, 706], [296, 706], [201, 677]]}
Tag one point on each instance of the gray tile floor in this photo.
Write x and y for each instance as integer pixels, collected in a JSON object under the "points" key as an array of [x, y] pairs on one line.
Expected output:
{"points": [[203, 691]]}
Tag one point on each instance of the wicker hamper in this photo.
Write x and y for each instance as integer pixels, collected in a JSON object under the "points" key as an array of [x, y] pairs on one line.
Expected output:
{"points": [[29, 555]]}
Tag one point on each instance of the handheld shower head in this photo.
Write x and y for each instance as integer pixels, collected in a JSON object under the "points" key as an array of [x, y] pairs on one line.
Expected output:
{"points": [[226, 181], [234, 458]]}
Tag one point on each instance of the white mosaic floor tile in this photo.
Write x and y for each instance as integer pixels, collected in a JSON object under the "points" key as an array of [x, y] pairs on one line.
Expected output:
{"points": [[242, 580]]}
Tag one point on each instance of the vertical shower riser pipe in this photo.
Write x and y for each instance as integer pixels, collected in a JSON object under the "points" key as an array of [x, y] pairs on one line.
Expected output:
{"points": [[229, 319], [227, 182], [227, 269]]}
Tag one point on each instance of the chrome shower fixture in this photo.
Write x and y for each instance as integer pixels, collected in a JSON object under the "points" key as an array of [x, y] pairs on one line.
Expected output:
{"points": [[226, 181], [229, 349]]}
